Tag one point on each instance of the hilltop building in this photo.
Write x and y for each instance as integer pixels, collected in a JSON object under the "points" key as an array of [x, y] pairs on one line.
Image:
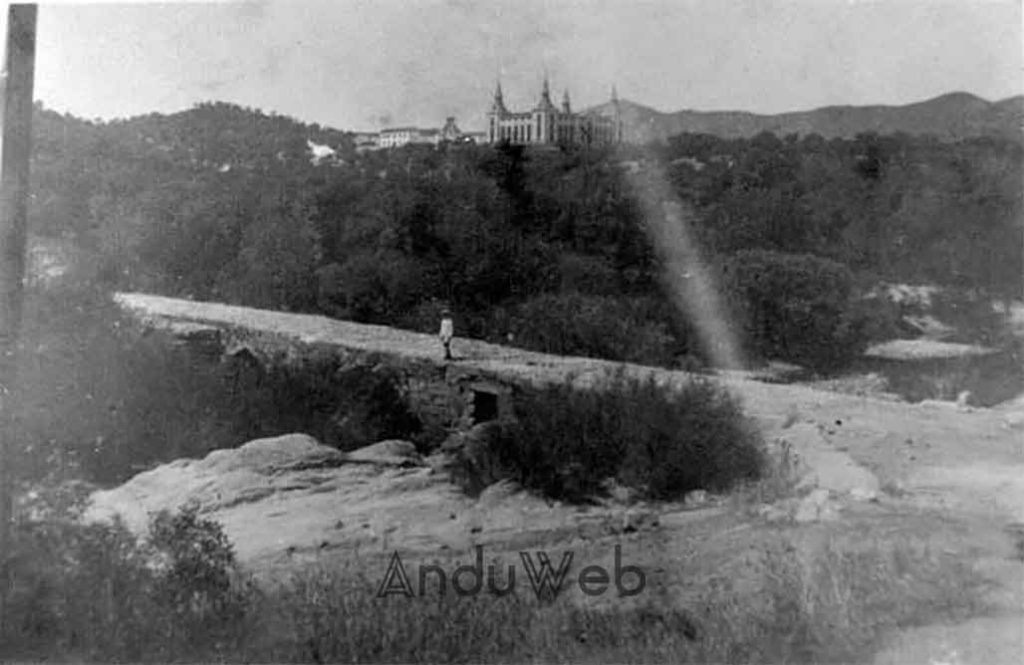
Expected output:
{"points": [[396, 137], [450, 131], [548, 125], [365, 141]]}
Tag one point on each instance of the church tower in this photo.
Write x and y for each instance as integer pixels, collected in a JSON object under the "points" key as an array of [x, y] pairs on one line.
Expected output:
{"points": [[616, 116], [544, 116], [545, 97], [494, 116]]}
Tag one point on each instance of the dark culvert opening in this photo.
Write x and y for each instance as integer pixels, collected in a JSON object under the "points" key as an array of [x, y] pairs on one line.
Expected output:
{"points": [[485, 406]]}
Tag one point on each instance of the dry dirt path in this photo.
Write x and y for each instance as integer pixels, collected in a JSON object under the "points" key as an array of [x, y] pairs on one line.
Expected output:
{"points": [[965, 466]]}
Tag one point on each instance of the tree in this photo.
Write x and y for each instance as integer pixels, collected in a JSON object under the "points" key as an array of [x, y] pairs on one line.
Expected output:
{"points": [[279, 254], [797, 307]]}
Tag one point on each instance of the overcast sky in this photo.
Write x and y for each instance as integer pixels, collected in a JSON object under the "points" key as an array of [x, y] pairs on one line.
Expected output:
{"points": [[360, 64]]}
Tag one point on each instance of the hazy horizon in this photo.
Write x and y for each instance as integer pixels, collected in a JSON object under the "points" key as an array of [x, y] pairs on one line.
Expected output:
{"points": [[359, 65]]}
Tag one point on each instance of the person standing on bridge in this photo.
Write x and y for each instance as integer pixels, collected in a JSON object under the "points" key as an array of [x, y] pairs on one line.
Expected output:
{"points": [[447, 332]]}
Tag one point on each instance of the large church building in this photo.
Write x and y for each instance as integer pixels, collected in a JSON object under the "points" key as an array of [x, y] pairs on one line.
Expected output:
{"points": [[547, 125]]}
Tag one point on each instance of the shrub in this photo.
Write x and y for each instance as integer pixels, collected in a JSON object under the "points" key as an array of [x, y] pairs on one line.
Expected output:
{"points": [[344, 407], [473, 464], [973, 317], [198, 555], [95, 592], [197, 583], [371, 407], [100, 396], [595, 326], [566, 442], [798, 307], [583, 273], [695, 439], [72, 584], [371, 287]]}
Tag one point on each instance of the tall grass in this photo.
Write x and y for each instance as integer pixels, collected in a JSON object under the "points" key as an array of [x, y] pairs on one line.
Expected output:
{"points": [[101, 596], [827, 604]]}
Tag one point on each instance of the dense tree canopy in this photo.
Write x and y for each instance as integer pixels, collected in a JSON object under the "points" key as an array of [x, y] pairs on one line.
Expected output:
{"points": [[545, 248]]}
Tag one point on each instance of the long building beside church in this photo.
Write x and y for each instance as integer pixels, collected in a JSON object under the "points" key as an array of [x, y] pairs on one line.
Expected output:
{"points": [[548, 125]]}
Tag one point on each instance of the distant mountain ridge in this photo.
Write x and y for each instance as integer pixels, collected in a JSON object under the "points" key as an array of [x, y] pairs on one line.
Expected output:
{"points": [[949, 117]]}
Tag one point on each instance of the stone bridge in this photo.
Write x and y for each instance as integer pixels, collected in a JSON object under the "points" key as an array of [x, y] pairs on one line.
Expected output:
{"points": [[478, 385], [475, 387]]}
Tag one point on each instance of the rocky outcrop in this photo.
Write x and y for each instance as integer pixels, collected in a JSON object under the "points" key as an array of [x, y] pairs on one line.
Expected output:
{"points": [[288, 497], [393, 452]]}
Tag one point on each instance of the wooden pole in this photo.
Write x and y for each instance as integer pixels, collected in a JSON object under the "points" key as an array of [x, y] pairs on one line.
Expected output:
{"points": [[18, 80]]}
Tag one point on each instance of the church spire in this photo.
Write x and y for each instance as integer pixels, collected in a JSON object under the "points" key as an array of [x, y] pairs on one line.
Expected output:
{"points": [[616, 115], [565, 102], [498, 105], [545, 96]]}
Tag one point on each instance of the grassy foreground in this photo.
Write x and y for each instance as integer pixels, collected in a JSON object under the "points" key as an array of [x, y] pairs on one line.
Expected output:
{"points": [[833, 607], [180, 596]]}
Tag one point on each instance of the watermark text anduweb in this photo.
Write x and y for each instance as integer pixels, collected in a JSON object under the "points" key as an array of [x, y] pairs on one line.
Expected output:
{"points": [[546, 579]]}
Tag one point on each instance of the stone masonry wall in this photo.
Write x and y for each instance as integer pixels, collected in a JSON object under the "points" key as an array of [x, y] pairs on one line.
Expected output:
{"points": [[440, 394]]}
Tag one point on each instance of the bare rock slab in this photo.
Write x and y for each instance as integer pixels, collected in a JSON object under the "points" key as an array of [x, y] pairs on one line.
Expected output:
{"points": [[821, 466]]}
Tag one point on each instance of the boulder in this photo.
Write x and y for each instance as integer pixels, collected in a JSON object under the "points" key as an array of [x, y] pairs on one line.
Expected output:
{"points": [[267, 456], [392, 452], [498, 493]]}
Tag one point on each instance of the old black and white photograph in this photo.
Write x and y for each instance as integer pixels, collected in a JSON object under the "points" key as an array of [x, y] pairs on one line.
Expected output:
{"points": [[512, 331]]}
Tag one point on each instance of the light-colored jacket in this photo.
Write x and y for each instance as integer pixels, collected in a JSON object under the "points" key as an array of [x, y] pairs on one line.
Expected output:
{"points": [[447, 330]]}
